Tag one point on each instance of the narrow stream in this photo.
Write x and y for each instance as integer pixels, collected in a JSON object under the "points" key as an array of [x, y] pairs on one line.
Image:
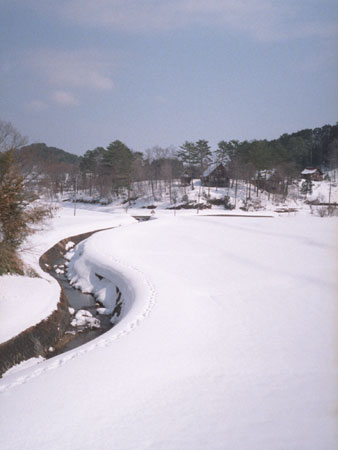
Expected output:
{"points": [[55, 263], [77, 336]]}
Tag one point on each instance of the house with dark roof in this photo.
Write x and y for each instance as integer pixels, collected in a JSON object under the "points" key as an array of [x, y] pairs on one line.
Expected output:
{"points": [[215, 175], [312, 173]]}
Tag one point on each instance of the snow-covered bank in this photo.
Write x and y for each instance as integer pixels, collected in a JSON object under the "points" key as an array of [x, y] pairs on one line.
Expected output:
{"points": [[25, 301], [93, 270], [239, 351], [65, 224]]}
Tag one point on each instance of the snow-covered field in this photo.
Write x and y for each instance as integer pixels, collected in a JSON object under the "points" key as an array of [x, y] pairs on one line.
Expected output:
{"points": [[229, 341]]}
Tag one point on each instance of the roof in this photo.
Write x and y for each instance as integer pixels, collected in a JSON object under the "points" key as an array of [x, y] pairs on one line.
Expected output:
{"points": [[309, 171], [211, 168]]}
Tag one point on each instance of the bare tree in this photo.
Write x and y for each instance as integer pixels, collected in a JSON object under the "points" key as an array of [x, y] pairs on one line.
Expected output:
{"points": [[10, 138], [17, 215]]}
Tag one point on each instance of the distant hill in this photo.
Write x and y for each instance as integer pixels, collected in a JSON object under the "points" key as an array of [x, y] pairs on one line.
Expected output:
{"points": [[41, 158]]}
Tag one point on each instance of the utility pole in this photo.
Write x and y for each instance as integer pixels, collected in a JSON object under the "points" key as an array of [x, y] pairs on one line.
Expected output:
{"points": [[198, 198], [75, 191], [330, 191]]}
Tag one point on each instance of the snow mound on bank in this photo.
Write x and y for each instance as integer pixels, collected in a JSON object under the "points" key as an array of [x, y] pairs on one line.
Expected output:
{"points": [[112, 281], [85, 318]]}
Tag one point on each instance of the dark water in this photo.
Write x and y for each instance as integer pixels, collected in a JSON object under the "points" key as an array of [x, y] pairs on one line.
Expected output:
{"points": [[77, 300]]}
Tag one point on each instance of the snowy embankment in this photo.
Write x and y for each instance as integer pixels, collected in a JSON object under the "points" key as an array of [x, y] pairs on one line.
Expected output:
{"points": [[95, 271], [238, 352], [25, 301]]}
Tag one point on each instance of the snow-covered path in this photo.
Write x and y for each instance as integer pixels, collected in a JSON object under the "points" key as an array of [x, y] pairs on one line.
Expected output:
{"points": [[238, 352]]}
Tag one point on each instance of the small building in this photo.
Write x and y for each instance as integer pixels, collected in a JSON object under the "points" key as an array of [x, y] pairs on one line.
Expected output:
{"points": [[185, 179], [312, 173], [215, 176]]}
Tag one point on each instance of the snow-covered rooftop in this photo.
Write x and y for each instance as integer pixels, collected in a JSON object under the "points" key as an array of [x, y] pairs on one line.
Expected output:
{"points": [[211, 168], [309, 171]]}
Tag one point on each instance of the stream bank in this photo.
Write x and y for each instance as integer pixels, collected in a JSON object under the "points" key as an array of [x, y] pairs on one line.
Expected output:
{"points": [[55, 334], [54, 262]]}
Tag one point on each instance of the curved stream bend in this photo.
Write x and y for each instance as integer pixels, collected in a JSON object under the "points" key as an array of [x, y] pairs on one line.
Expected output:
{"points": [[54, 262], [51, 333], [143, 304]]}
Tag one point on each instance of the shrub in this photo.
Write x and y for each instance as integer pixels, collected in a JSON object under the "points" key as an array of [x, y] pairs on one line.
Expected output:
{"points": [[223, 201], [306, 187], [227, 203], [252, 205], [216, 201], [327, 211], [190, 205], [9, 260]]}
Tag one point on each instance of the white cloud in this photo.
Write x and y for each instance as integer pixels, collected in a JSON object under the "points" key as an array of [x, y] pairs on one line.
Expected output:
{"points": [[64, 98], [67, 69]]}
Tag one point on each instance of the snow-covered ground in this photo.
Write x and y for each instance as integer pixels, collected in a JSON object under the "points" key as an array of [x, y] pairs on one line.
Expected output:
{"points": [[65, 224], [143, 196], [324, 192], [164, 195], [24, 302], [229, 341]]}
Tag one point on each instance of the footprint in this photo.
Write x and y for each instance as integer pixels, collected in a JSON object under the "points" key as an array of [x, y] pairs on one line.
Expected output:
{"points": [[104, 342]]}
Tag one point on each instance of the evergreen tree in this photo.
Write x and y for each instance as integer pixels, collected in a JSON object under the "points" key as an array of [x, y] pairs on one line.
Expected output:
{"points": [[196, 156], [203, 154], [91, 161], [187, 153], [117, 162], [226, 151]]}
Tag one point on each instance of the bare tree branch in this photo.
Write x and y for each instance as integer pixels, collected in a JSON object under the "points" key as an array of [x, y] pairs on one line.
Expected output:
{"points": [[10, 138]]}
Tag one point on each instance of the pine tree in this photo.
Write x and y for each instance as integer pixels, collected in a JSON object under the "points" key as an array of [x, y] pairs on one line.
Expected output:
{"points": [[226, 151], [196, 156], [203, 154], [117, 162], [187, 153]]}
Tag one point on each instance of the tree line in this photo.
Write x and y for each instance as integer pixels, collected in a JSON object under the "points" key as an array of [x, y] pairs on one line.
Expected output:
{"points": [[114, 169], [117, 170], [105, 172]]}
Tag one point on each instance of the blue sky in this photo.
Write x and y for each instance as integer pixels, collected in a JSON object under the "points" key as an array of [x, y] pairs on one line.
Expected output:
{"points": [[78, 74]]}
